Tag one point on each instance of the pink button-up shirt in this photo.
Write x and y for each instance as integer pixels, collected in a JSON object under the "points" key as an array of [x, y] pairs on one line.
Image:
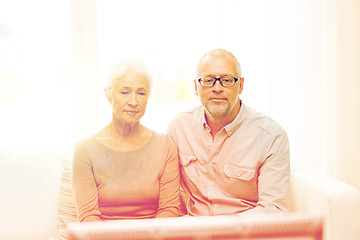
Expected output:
{"points": [[245, 167]]}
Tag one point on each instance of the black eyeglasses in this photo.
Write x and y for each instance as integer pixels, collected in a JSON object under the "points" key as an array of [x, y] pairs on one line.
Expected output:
{"points": [[225, 81]]}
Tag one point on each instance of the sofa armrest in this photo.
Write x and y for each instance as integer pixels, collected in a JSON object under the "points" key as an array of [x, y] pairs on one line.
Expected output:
{"points": [[29, 184], [337, 201]]}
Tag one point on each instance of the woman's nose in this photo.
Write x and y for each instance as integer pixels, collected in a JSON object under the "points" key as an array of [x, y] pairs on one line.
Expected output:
{"points": [[132, 100]]}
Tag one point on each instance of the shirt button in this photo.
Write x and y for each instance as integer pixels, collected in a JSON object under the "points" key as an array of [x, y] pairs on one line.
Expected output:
{"points": [[215, 205]]}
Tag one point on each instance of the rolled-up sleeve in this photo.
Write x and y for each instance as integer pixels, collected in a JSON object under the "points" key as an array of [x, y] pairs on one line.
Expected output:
{"points": [[274, 178]]}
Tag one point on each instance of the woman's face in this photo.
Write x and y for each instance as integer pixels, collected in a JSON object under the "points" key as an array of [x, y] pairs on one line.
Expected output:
{"points": [[129, 97]]}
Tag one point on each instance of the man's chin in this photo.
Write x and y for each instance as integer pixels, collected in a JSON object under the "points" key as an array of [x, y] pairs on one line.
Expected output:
{"points": [[217, 111]]}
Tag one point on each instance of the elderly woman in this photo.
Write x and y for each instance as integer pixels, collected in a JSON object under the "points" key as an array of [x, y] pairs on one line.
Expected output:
{"points": [[126, 171]]}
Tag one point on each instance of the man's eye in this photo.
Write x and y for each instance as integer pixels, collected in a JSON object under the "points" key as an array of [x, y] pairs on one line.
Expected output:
{"points": [[208, 80], [227, 79], [142, 93], [124, 92]]}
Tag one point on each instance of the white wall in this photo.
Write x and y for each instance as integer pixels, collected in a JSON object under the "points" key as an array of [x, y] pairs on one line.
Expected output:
{"points": [[300, 60], [348, 78]]}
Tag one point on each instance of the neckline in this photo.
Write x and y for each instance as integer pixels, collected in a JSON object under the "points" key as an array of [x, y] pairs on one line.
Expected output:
{"points": [[126, 152]]}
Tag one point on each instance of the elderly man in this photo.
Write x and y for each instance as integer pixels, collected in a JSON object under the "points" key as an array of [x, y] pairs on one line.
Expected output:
{"points": [[233, 159]]}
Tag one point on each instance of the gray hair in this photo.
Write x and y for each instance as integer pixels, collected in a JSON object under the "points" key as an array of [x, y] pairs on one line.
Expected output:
{"points": [[218, 52], [120, 69]]}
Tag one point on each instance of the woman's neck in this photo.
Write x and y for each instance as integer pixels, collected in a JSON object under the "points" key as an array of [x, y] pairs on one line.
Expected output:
{"points": [[125, 130], [124, 137]]}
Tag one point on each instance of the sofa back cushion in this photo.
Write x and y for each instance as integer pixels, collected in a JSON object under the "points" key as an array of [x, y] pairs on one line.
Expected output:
{"points": [[29, 184], [66, 203]]}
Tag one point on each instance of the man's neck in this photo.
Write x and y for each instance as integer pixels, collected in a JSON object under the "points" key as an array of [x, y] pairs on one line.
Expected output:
{"points": [[216, 123]]}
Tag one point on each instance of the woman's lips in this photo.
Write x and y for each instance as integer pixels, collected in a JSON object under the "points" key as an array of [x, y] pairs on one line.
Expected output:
{"points": [[131, 112]]}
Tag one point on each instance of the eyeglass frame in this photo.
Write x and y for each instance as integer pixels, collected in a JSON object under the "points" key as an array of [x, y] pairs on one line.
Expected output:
{"points": [[217, 79]]}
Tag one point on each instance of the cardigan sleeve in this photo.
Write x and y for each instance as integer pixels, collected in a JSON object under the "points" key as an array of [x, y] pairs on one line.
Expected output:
{"points": [[84, 186]]}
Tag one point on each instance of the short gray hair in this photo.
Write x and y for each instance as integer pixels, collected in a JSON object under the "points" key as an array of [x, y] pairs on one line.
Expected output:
{"points": [[218, 52], [120, 69]]}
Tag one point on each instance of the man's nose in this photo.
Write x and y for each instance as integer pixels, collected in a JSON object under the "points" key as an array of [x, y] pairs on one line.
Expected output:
{"points": [[217, 87]]}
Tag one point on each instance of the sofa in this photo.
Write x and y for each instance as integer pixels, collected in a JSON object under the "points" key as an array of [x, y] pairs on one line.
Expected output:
{"points": [[36, 198]]}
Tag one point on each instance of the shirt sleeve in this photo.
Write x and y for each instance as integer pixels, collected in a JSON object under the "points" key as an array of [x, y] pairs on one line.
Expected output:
{"points": [[274, 179], [84, 187], [169, 200]]}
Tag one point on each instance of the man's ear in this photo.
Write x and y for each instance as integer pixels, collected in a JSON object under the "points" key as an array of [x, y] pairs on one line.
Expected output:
{"points": [[196, 87], [241, 85]]}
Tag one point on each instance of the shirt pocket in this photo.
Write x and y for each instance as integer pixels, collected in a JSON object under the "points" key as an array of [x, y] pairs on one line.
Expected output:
{"points": [[186, 159], [237, 172], [189, 168], [240, 182]]}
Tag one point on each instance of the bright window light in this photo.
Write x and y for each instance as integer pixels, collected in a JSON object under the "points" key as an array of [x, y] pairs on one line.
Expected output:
{"points": [[35, 74]]}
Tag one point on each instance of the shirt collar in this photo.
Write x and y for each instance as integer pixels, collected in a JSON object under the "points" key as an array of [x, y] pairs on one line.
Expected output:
{"points": [[231, 127], [202, 118]]}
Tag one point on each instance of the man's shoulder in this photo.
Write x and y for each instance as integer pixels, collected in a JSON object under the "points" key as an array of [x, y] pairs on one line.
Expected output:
{"points": [[264, 122], [185, 121], [188, 115]]}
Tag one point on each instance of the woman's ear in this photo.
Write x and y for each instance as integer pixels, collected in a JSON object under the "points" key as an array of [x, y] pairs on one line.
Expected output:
{"points": [[108, 94]]}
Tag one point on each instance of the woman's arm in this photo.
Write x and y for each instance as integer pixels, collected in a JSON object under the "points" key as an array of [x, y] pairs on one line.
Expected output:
{"points": [[84, 186], [169, 200]]}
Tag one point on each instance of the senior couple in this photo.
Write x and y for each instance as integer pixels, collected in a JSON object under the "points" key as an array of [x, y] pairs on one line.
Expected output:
{"points": [[224, 157]]}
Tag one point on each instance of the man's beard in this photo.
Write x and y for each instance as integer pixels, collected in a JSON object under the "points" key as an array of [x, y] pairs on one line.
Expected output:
{"points": [[217, 110]]}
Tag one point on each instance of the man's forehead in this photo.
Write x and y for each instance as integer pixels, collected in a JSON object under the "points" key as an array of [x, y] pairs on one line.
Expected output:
{"points": [[218, 63]]}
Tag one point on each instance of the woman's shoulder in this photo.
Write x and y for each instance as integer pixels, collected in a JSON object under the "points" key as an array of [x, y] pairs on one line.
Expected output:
{"points": [[159, 136], [164, 140], [85, 143]]}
